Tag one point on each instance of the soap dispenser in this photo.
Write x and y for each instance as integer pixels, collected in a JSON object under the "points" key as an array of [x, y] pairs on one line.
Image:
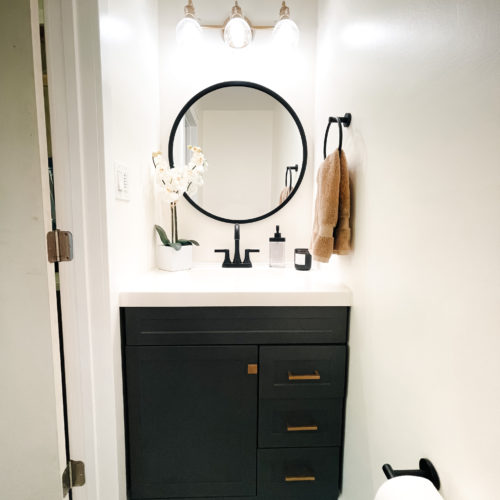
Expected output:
{"points": [[277, 249]]}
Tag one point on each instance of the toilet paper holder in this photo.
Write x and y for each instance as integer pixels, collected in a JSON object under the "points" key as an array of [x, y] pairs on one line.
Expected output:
{"points": [[426, 470]]}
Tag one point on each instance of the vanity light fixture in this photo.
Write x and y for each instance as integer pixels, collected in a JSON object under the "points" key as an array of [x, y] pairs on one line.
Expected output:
{"points": [[237, 30]]}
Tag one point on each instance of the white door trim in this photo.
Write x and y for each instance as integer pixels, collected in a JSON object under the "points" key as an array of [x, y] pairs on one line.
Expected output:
{"points": [[75, 94]]}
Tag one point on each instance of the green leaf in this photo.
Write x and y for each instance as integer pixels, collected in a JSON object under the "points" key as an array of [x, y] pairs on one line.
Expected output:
{"points": [[176, 245], [188, 242], [163, 235]]}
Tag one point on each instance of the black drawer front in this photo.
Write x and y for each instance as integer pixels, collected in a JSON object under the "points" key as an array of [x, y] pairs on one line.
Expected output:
{"points": [[295, 422], [292, 372], [224, 325], [298, 473]]}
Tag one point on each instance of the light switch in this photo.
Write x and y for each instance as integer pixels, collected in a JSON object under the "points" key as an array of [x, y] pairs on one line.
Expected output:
{"points": [[121, 182]]}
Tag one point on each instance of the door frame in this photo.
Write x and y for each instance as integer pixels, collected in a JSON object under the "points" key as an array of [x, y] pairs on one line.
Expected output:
{"points": [[76, 108]]}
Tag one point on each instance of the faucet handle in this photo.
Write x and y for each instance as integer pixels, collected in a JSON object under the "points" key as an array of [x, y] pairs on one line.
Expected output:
{"points": [[227, 260], [247, 256]]}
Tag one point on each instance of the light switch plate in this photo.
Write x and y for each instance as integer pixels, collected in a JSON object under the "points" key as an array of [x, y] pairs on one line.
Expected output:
{"points": [[121, 182]]}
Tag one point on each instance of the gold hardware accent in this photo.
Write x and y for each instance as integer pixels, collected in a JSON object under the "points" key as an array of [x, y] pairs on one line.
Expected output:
{"points": [[222, 26], [284, 11], [293, 479], [314, 376], [253, 369], [189, 9], [291, 428]]}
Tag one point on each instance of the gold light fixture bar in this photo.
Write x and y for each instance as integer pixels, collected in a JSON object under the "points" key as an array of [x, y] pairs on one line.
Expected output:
{"points": [[221, 27]]}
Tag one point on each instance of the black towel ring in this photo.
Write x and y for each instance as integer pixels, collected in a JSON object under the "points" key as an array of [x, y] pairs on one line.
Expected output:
{"points": [[289, 171], [345, 120]]}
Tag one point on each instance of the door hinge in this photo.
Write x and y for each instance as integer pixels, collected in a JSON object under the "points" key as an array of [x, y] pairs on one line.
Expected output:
{"points": [[73, 476], [59, 246]]}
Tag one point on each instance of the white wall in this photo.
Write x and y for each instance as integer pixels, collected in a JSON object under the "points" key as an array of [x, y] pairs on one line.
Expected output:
{"points": [[421, 80], [184, 73], [236, 182], [129, 37], [129, 50]]}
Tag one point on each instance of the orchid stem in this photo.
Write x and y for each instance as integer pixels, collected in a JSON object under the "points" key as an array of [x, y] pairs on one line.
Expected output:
{"points": [[175, 217], [172, 209]]}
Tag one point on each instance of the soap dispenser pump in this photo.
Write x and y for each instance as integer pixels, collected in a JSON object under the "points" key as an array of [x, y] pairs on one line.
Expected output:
{"points": [[277, 249]]}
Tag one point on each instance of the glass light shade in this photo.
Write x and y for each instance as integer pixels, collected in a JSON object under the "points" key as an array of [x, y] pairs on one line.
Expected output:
{"points": [[237, 33], [286, 33], [188, 32]]}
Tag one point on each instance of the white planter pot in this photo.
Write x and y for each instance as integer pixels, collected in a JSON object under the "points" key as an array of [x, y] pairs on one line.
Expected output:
{"points": [[169, 259]]}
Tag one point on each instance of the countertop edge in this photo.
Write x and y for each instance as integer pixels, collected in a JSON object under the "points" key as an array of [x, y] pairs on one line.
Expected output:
{"points": [[236, 299]]}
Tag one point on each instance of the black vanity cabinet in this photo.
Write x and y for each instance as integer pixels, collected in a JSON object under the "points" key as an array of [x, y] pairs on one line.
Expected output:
{"points": [[234, 402]]}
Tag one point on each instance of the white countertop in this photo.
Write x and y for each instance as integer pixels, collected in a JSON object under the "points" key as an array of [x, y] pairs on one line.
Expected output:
{"points": [[209, 286]]}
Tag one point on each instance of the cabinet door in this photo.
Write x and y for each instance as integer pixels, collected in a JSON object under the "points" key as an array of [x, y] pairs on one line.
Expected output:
{"points": [[192, 421]]}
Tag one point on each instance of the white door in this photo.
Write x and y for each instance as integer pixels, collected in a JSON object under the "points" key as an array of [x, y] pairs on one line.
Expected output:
{"points": [[32, 450]]}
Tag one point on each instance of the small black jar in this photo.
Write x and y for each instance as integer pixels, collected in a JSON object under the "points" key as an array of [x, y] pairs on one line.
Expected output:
{"points": [[302, 259]]}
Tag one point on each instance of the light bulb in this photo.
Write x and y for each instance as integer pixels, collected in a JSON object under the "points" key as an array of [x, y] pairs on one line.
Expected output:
{"points": [[286, 33], [237, 33], [188, 32]]}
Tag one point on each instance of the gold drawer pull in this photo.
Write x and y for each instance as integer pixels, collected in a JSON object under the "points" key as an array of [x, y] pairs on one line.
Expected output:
{"points": [[313, 376], [293, 479], [292, 428]]}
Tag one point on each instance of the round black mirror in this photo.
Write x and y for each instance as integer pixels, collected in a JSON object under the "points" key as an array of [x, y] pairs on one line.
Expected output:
{"points": [[255, 146]]}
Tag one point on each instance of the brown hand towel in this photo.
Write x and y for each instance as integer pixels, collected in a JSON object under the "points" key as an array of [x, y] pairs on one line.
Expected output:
{"points": [[331, 231], [285, 193], [342, 231]]}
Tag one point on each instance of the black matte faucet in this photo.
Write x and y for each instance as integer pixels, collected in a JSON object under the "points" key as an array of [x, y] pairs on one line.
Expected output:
{"points": [[236, 258]]}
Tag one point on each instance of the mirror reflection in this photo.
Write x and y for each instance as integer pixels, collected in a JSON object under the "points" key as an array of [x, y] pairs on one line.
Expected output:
{"points": [[253, 147]]}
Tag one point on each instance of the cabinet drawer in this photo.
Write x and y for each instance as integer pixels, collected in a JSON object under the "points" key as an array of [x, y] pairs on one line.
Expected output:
{"points": [[225, 325], [300, 422], [298, 473], [292, 372]]}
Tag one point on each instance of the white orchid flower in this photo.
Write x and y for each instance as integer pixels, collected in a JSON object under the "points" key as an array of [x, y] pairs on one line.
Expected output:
{"points": [[174, 182], [170, 196]]}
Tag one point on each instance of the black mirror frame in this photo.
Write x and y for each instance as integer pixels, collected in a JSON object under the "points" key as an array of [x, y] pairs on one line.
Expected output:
{"points": [[272, 94]]}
